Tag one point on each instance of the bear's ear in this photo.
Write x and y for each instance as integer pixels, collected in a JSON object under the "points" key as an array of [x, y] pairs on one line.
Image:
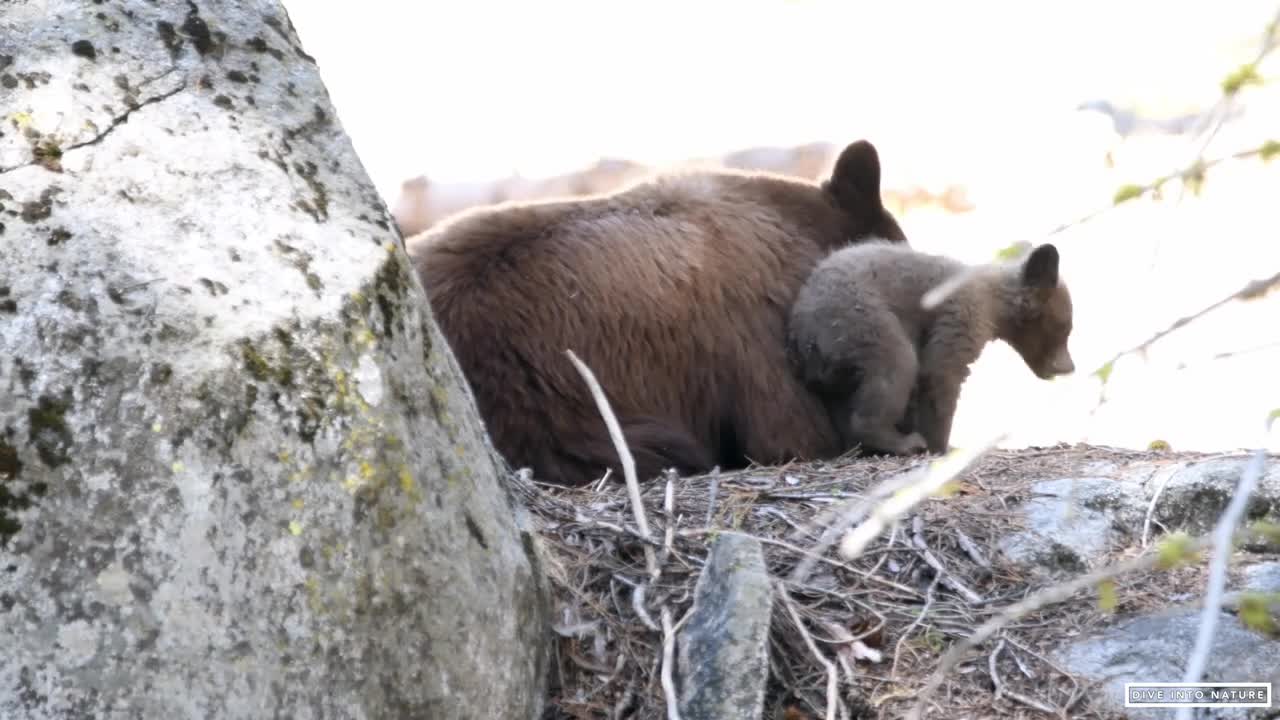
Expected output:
{"points": [[855, 181], [1040, 269]]}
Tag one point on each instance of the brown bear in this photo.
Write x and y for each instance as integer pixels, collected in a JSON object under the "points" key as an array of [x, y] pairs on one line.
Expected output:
{"points": [[674, 290], [890, 370]]}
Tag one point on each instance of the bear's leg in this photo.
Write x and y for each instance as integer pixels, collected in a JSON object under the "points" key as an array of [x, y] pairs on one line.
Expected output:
{"points": [[936, 410], [944, 365], [583, 454], [880, 402]]}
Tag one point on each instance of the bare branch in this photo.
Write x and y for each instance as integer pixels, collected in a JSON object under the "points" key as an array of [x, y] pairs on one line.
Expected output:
{"points": [[1251, 291], [947, 577], [1222, 547], [938, 473], [668, 659], [624, 454], [833, 677]]}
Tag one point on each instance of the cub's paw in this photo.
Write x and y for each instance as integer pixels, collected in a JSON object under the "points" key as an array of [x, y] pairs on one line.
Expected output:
{"points": [[912, 444]]}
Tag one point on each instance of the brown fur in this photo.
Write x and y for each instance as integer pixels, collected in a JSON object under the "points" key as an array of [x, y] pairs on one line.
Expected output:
{"points": [[891, 371], [674, 291]]}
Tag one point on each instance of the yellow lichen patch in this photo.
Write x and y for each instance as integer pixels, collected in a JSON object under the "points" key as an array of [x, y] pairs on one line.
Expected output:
{"points": [[297, 503], [156, 427], [178, 468], [295, 527], [365, 338], [284, 456], [366, 470], [314, 602], [351, 484], [440, 395], [21, 119]]}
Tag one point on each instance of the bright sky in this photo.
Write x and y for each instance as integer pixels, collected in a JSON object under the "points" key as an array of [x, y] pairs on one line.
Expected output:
{"points": [[980, 94], [473, 89]]}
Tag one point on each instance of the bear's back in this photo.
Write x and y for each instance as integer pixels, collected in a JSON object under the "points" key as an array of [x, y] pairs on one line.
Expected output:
{"points": [[896, 276], [673, 290]]}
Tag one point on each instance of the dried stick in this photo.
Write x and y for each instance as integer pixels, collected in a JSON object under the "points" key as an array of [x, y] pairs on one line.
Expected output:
{"points": [[624, 700], [712, 488], [1166, 473], [906, 632], [1251, 290], [1001, 690], [971, 549], [846, 515], [624, 454], [637, 605], [833, 677], [917, 538], [668, 658], [938, 473], [1222, 547]]}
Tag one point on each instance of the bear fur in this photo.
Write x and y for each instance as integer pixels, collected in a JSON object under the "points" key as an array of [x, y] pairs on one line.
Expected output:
{"points": [[674, 290], [889, 370]]}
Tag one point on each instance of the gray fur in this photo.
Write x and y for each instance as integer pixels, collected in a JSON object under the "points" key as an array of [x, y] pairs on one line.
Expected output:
{"points": [[889, 371]]}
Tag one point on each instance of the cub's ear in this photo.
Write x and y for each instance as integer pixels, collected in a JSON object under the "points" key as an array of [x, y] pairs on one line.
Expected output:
{"points": [[855, 181], [1040, 270]]}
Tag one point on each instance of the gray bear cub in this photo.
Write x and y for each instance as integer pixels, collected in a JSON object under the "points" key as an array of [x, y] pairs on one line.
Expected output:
{"points": [[889, 370]]}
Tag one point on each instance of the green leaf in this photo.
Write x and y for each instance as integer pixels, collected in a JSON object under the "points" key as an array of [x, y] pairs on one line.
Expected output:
{"points": [[1268, 532], [1104, 372], [1126, 193], [1244, 75], [1256, 611], [1012, 252], [1269, 149], [1107, 600], [1175, 550], [947, 489], [1193, 178]]}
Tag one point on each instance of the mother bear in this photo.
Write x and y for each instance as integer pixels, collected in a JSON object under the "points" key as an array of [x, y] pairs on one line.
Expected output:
{"points": [[674, 291]]}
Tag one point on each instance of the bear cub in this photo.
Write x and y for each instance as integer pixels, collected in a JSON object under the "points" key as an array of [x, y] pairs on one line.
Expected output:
{"points": [[889, 370]]}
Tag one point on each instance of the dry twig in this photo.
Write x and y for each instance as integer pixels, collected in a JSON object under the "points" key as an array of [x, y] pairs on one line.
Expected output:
{"points": [[668, 659], [1222, 547], [937, 474]]}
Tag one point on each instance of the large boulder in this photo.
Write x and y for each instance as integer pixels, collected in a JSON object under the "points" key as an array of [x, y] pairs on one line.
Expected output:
{"points": [[240, 473]]}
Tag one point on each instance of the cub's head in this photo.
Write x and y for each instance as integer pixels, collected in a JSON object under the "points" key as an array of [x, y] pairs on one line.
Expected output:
{"points": [[854, 186], [1037, 316]]}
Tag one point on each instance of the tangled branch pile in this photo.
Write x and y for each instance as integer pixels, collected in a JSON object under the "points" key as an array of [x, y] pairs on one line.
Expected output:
{"points": [[871, 630]]}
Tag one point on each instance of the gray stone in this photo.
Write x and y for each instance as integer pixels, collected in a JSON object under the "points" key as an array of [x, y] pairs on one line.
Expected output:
{"points": [[1195, 496], [724, 645], [1155, 648], [241, 475], [1069, 523], [1263, 577]]}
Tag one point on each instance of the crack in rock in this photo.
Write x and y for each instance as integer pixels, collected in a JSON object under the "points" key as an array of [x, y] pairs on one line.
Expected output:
{"points": [[116, 121]]}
